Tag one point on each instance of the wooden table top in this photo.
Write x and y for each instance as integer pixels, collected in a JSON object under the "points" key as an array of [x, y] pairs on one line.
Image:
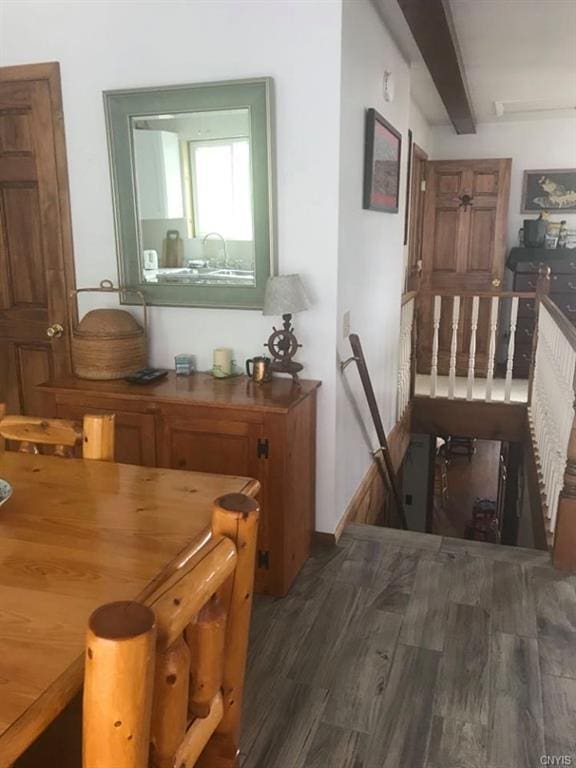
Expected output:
{"points": [[76, 534], [279, 394]]}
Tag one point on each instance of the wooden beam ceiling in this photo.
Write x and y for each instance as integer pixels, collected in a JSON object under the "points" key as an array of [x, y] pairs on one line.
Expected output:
{"points": [[432, 32]]}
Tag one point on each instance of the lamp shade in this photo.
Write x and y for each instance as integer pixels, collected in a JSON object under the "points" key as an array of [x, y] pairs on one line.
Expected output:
{"points": [[285, 295]]}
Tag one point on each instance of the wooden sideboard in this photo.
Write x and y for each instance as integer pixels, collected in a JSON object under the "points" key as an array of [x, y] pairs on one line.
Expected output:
{"points": [[232, 426]]}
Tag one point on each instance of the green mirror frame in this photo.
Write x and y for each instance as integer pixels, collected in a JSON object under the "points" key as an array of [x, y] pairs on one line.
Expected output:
{"points": [[120, 107]]}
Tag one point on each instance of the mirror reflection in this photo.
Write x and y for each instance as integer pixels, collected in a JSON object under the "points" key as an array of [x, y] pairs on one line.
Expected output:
{"points": [[194, 197]]}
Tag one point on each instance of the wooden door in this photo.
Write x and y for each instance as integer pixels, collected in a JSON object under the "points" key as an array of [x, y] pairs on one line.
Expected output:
{"points": [[416, 217], [463, 249], [36, 261]]}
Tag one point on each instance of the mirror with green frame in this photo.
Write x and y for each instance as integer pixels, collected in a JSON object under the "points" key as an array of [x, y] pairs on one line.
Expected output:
{"points": [[191, 174]]}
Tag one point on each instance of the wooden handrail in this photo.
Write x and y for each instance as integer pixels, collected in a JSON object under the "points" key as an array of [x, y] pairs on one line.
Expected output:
{"points": [[568, 330], [408, 296], [449, 293]]}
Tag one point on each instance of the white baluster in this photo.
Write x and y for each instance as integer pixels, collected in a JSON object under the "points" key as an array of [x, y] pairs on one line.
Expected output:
{"points": [[436, 331], [453, 347], [492, 346], [472, 353], [511, 341], [552, 408]]}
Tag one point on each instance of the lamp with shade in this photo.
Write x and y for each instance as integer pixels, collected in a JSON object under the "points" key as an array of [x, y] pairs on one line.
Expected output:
{"points": [[285, 295]]}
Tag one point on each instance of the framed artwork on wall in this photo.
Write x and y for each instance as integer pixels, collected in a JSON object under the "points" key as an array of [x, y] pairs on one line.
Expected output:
{"points": [[549, 190], [382, 147], [408, 184]]}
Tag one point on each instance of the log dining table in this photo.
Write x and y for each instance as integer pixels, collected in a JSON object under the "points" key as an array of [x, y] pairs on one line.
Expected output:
{"points": [[76, 534]]}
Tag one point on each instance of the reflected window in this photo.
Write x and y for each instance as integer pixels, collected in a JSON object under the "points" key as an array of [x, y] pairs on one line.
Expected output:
{"points": [[222, 195]]}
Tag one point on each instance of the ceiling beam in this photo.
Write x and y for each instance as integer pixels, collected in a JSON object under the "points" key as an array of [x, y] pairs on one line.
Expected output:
{"points": [[431, 29]]}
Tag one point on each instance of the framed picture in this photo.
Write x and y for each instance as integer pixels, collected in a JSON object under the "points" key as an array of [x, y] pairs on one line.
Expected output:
{"points": [[381, 164], [408, 184], [549, 190]]}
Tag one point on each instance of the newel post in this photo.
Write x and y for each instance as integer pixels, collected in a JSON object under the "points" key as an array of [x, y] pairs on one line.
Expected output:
{"points": [[542, 290], [236, 517], [564, 552]]}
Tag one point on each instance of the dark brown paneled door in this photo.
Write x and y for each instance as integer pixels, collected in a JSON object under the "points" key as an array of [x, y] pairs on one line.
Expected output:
{"points": [[36, 262], [416, 217], [463, 249]]}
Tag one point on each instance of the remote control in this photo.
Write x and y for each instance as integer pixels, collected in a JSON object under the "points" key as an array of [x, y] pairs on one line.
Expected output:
{"points": [[147, 375]]}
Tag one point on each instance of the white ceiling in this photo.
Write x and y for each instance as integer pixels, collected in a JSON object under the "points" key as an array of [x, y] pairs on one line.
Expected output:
{"points": [[520, 53]]}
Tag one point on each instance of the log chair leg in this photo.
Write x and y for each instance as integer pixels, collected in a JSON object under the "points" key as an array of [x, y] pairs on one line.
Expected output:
{"points": [[118, 681]]}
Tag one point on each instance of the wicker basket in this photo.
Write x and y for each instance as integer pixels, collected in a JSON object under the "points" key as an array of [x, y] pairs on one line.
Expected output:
{"points": [[107, 343]]}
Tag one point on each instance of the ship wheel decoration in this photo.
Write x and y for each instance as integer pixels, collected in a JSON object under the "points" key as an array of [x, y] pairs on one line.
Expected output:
{"points": [[283, 345]]}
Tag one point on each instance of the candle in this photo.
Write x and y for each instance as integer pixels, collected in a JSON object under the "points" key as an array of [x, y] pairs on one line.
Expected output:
{"points": [[222, 362]]}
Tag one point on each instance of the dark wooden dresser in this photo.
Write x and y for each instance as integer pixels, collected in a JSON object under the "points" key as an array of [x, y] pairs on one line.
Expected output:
{"points": [[232, 426], [524, 264]]}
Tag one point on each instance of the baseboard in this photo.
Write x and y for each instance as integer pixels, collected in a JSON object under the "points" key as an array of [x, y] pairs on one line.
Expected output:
{"points": [[370, 500], [321, 539]]}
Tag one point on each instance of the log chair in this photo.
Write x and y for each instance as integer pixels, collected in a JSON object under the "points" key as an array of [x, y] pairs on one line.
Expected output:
{"points": [[163, 681], [96, 434]]}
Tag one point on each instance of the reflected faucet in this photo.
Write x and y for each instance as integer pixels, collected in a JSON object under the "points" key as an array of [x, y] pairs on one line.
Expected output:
{"points": [[217, 234]]}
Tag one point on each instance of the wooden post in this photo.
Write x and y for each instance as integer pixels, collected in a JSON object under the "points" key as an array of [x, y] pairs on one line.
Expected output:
{"points": [[98, 437], [118, 680], [206, 638], [170, 708], [542, 289], [564, 551], [236, 517]]}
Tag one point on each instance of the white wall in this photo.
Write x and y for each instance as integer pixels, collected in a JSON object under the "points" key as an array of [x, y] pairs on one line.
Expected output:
{"points": [[421, 130], [535, 144], [102, 45], [370, 252]]}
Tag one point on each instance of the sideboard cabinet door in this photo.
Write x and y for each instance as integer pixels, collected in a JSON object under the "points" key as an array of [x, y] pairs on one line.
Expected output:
{"points": [[198, 442]]}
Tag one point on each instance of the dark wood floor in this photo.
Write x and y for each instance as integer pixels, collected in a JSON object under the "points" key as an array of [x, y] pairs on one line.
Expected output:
{"points": [[406, 650], [467, 481]]}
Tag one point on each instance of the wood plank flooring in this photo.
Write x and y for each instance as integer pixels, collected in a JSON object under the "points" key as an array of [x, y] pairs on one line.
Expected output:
{"points": [[403, 650]]}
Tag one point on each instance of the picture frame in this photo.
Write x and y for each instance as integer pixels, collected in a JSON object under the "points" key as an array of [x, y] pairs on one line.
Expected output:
{"points": [[382, 155], [552, 190], [408, 185]]}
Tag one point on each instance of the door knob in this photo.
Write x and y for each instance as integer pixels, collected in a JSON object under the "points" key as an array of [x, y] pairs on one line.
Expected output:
{"points": [[54, 331], [496, 283]]}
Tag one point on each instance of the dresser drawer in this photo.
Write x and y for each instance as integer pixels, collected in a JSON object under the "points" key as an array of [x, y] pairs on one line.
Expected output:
{"points": [[566, 302], [563, 284], [527, 308], [522, 360], [525, 331], [526, 282]]}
